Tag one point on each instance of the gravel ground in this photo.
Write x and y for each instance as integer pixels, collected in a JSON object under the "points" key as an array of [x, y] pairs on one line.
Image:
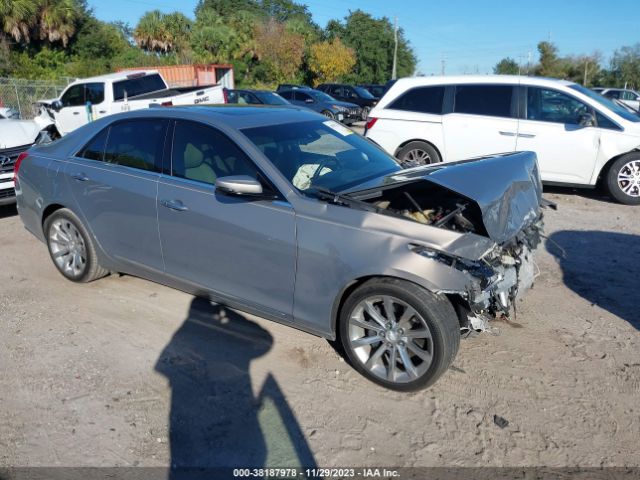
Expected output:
{"points": [[94, 375]]}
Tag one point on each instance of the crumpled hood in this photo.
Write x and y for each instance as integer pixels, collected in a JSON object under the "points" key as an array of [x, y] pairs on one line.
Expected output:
{"points": [[16, 133], [506, 187]]}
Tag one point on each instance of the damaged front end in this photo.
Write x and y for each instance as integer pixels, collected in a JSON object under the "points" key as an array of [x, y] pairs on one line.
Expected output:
{"points": [[499, 198]]}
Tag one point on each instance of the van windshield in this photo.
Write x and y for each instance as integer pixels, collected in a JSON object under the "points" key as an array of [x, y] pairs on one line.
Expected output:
{"points": [[614, 107]]}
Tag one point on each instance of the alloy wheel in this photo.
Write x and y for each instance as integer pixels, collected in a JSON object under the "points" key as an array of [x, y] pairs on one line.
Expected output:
{"points": [[629, 178], [390, 338], [68, 248], [418, 155]]}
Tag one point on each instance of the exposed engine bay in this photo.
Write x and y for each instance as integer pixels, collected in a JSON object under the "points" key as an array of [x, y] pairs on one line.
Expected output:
{"points": [[501, 275]]}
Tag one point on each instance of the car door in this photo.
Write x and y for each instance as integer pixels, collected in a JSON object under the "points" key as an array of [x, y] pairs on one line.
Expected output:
{"points": [[551, 127], [114, 180], [94, 97], [482, 120], [240, 248], [73, 111]]}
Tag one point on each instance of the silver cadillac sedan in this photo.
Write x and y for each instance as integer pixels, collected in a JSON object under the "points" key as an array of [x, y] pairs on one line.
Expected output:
{"points": [[285, 214]]}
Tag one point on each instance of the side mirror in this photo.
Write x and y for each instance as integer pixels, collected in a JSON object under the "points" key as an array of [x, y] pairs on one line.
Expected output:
{"points": [[56, 105], [587, 120], [239, 185]]}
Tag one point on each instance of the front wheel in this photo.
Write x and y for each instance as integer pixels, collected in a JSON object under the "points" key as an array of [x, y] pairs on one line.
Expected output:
{"points": [[365, 113], [328, 114], [71, 247], [398, 334], [622, 180]]}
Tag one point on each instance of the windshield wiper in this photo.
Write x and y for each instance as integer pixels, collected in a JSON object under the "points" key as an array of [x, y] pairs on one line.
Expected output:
{"points": [[342, 199]]}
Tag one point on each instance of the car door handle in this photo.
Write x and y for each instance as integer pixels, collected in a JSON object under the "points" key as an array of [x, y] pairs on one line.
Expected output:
{"points": [[527, 135], [176, 205], [81, 177], [507, 134], [76, 113]]}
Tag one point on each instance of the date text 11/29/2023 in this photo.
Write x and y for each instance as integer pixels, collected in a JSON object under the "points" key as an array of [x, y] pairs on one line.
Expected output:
{"points": [[281, 473]]}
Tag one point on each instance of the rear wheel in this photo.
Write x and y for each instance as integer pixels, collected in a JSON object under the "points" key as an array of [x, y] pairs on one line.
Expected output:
{"points": [[71, 247], [622, 180], [417, 153], [398, 334]]}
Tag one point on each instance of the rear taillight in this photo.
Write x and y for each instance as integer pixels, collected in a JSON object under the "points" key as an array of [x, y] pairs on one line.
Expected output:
{"points": [[225, 95], [19, 160], [371, 121], [167, 104]]}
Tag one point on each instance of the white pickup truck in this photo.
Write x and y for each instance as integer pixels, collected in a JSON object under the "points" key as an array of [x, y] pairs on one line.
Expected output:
{"points": [[92, 98]]}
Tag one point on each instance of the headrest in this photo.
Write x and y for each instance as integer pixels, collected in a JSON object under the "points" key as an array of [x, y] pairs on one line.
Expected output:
{"points": [[193, 157]]}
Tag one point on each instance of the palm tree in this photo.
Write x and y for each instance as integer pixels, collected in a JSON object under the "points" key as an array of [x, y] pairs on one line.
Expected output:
{"points": [[150, 33], [57, 20], [17, 17]]}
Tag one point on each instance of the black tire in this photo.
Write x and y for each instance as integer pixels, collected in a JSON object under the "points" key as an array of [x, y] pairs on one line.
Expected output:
{"points": [[417, 153], [88, 268], [328, 114], [626, 192], [436, 313]]}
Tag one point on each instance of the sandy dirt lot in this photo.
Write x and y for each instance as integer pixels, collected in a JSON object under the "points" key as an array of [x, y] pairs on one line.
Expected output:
{"points": [[97, 374]]}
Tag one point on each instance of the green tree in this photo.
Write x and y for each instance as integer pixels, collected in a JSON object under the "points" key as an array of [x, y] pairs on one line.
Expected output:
{"points": [[373, 41], [162, 33], [550, 64], [17, 18], [330, 60], [625, 66], [280, 51], [58, 20], [507, 66]]}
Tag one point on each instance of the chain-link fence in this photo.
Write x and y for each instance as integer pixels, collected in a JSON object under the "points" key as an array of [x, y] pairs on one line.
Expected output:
{"points": [[20, 94]]}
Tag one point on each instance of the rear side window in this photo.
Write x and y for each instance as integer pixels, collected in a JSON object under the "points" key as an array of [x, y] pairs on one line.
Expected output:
{"points": [[488, 100], [286, 94], [137, 86], [420, 99], [94, 150], [137, 144], [203, 154]]}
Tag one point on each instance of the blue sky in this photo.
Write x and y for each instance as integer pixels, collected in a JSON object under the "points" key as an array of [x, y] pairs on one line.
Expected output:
{"points": [[471, 36]]}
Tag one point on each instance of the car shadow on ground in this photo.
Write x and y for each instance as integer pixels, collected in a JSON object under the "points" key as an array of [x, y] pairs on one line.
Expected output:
{"points": [[8, 211], [590, 193], [215, 419], [602, 267]]}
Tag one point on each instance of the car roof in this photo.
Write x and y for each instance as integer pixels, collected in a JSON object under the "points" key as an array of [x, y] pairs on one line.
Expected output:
{"points": [[485, 79], [234, 116], [115, 76]]}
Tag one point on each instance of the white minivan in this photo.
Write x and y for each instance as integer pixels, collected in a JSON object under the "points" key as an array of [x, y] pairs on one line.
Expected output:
{"points": [[581, 138]]}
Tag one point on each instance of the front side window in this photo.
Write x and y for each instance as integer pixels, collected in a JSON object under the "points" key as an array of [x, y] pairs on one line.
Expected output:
{"points": [[547, 105], [629, 95], [287, 95], [617, 109], [613, 94], [321, 154], [73, 97], [420, 99], [486, 100], [203, 154], [137, 144], [94, 93], [303, 96]]}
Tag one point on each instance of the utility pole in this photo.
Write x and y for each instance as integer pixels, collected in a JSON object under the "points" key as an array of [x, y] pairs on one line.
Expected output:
{"points": [[528, 62], [586, 68], [443, 62], [395, 48]]}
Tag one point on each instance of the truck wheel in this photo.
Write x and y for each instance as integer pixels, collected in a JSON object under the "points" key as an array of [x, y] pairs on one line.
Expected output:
{"points": [[622, 180], [71, 247], [417, 153], [398, 334]]}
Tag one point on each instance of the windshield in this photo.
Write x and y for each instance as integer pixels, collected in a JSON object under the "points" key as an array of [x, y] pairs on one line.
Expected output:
{"points": [[271, 98], [617, 109], [320, 96], [322, 154], [364, 93]]}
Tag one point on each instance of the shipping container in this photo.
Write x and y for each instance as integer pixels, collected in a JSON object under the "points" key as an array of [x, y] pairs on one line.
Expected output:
{"points": [[193, 75]]}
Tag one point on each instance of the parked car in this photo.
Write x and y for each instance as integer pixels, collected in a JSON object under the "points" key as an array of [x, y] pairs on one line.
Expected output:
{"points": [[348, 93], [16, 136], [320, 102], [96, 97], [289, 86], [580, 138], [288, 215], [624, 95], [374, 89], [254, 97]]}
